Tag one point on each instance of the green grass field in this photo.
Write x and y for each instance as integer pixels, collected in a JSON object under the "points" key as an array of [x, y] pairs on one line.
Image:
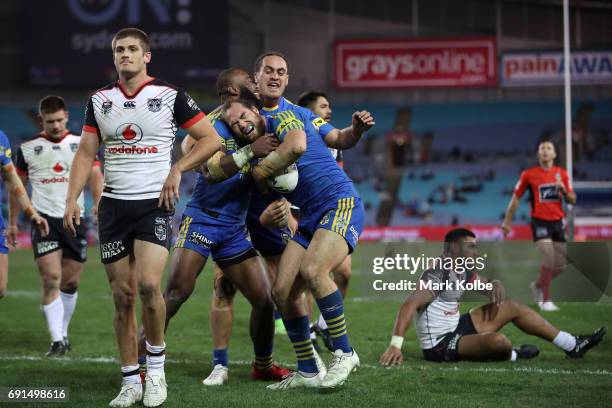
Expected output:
{"points": [[91, 371]]}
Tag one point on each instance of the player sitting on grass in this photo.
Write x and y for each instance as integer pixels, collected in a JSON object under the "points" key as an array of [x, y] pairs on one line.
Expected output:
{"points": [[446, 336]]}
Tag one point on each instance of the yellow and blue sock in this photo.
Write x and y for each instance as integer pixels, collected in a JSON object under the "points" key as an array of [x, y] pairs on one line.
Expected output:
{"points": [[263, 357], [299, 334], [332, 310]]}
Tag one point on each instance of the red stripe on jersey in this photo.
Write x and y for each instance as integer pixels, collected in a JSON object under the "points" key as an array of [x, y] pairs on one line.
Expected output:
{"points": [[193, 120], [546, 199], [90, 129], [22, 172]]}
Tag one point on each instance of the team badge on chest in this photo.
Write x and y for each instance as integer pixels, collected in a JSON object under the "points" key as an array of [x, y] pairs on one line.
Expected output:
{"points": [[154, 104]]}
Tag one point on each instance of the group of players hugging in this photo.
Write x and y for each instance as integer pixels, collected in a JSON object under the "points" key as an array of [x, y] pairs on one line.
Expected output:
{"points": [[272, 206]]}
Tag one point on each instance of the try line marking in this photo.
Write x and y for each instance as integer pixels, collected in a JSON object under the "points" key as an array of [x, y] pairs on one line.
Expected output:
{"points": [[405, 367]]}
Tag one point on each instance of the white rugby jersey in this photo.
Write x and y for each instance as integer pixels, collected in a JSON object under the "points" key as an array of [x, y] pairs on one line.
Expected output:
{"points": [[46, 162], [138, 132], [441, 315]]}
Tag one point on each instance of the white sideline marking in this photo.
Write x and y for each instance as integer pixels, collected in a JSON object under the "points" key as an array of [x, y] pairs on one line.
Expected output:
{"points": [[530, 370]]}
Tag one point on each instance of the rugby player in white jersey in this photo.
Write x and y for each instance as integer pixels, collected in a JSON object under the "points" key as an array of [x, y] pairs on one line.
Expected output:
{"points": [[44, 161], [137, 118], [446, 335]]}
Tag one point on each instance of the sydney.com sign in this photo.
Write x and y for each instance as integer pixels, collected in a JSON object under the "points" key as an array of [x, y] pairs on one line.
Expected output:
{"points": [[546, 68]]}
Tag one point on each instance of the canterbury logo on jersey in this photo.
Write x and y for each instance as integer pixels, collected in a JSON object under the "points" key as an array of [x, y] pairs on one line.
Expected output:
{"points": [[129, 105]]}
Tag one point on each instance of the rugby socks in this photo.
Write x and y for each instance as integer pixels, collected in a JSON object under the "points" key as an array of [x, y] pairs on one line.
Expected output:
{"points": [[69, 300], [131, 375], [277, 315], [220, 357], [156, 355], [54, 313], [263, 357], [313, 334], [565, 341], [321, 323], [513, 356], [299, 334], [332, 310]]}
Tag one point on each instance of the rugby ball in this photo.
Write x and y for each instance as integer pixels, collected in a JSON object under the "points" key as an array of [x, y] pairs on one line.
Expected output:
{"points": [[286, 181]]}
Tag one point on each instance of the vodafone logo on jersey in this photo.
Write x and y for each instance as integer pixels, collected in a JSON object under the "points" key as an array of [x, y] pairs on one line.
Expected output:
{"points": [[60, 168], [129, 133]]}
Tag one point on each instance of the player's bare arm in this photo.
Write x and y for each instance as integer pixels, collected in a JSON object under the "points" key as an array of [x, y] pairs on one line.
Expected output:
{"points": [[17, 192], [222, 166], [13, 213], [348, 137], [207, 143], [570, 196], [512, 207], [417, 299], [96, 184], [79, 174]]}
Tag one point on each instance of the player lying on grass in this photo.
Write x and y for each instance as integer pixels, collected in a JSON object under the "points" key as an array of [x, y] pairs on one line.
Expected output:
{"points": [[444, 335]]}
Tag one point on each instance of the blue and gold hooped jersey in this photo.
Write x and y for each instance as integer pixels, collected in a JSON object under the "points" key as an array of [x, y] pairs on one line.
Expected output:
{"points": [[320, 177], [229, 199]]}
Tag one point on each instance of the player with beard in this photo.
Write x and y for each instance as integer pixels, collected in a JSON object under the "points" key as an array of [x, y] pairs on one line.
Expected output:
{"points": [[329, 227], [318, 103], [548, 185], [214, 224], [446, 336]]}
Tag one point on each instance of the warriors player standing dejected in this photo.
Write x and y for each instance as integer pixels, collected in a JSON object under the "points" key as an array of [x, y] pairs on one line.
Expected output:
{"points": [[45, 161], [137, 118]]}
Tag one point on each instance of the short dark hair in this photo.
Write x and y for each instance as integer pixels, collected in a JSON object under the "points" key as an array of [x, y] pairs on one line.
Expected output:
{"points": [[226, 78], [247, 103], [546, 140], [260, 59], [51, 104], [455, 235], [310, 97], [133, 32]]}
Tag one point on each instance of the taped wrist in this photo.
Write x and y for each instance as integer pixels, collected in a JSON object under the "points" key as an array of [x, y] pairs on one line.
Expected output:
{"points": [[242, 156], [396, 341], [214, 166], [269, 165]]}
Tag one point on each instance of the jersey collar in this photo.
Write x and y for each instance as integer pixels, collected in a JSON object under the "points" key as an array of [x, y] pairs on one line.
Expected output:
{"points": [[52, 140], [132, 96]]}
